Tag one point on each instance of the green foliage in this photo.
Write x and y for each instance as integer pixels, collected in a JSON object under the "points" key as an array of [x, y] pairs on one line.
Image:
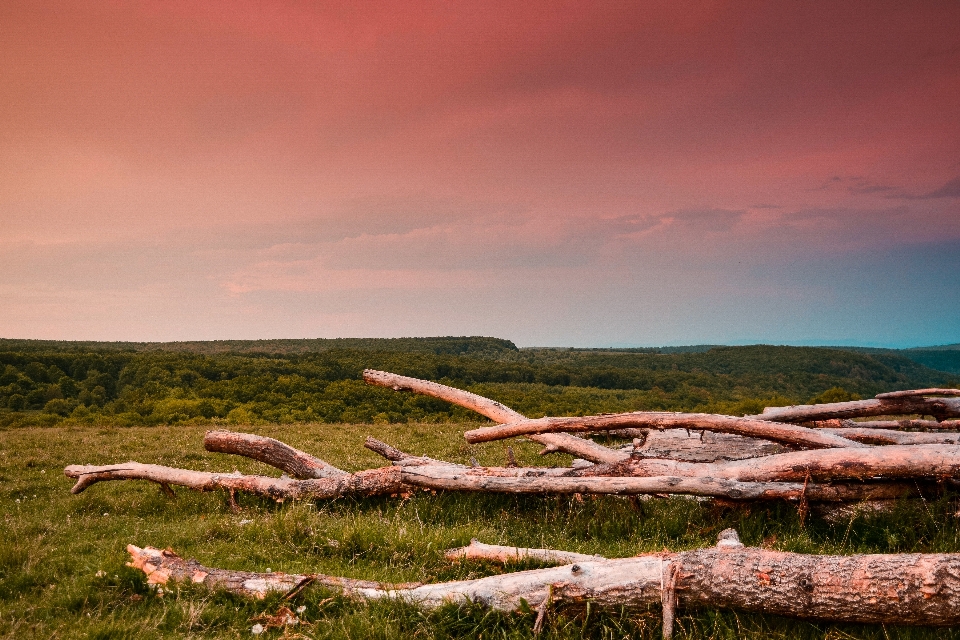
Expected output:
{"points": [[834, 394], [45, 383]]}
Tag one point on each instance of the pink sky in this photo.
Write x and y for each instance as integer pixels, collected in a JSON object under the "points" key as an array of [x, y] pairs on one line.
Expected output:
{"points": [[553, 173]]}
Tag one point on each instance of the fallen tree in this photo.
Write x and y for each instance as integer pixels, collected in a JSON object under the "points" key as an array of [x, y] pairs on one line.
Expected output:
{"points": [[764, 429], [727, 465], [909, 589], [919, 402]]}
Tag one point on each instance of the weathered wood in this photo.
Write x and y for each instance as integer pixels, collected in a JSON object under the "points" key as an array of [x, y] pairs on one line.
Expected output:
{"points": [[940, 408], [547, 481], [162, 566], [917, 392], [696, 446], [371, 482], [917, 425], [891, 436], [822, 465], [785, 433], [476, 550], [908, 589], [497, 412], [277, 454]]}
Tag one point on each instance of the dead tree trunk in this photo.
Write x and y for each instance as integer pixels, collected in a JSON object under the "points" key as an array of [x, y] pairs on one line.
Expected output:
{"points": [[909, 589], [784, 433], [940, 408], [823, 465]]}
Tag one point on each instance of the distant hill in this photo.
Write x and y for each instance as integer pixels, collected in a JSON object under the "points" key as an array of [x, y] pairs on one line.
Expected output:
{"points": [[441, 345], [942, 358]]}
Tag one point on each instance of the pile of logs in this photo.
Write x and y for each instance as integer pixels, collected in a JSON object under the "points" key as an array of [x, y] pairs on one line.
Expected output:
{"points": [[806, 454]]}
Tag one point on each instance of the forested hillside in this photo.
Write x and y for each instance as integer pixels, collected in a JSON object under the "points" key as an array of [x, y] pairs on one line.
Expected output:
{"points": [[287, 381]]}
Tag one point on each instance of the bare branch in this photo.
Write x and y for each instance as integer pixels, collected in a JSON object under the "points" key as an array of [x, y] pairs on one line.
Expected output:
{"points": [[277, 454], [497, 412], [940, 408]]}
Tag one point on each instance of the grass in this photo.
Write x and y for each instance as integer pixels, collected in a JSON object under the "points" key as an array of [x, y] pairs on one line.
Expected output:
{"points": [[62, 572]]}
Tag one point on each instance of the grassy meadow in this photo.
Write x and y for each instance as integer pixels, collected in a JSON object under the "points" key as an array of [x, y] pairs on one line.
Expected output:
{"points": [[62, 572], [62, 557]]}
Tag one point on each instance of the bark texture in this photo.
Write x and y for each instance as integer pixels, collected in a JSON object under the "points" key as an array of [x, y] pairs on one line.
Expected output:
{"points": [[277, 454], [824, 465], [912, 589], [696, 446], [784, 433]]}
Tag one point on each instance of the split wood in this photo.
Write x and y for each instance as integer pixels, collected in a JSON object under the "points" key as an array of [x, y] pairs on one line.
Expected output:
{"points": [[908, 589]]}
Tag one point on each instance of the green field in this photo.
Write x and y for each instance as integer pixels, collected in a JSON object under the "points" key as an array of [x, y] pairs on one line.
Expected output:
{"points": [[62, 557]]}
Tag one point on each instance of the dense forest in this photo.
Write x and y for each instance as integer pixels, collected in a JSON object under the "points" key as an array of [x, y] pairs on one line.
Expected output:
{"points": [[289, 381]]}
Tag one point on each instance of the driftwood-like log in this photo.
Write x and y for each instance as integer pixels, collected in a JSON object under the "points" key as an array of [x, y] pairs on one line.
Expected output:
{"points": [[892, 436], [277, 454], [917, 392], [629, 482], [448, 477], [497, 412], [916, 425], [908, 589], [823, 465], [369, 483], [698, 446], [785, 433], [476, 550], [940, 408], [162, 566]]}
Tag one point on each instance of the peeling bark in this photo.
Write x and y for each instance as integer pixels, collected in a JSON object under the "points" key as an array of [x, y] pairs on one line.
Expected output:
{"points": [[785, 433], [497, 412], [277, 454], [909, 589]]}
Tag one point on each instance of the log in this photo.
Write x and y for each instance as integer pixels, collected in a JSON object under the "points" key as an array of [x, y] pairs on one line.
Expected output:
{"points": [[907, 589], [703, 446], [919, 425], [890, 436], [823, 465], [371, 482], [784, 433], [547, 481], [497, 412], [277, 454], [917, 392], [476, 550], [162, 566], [939, 408], [449, 477]]}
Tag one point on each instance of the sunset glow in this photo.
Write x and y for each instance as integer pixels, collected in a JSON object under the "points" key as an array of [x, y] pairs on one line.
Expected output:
{"points": [[576, 173]]}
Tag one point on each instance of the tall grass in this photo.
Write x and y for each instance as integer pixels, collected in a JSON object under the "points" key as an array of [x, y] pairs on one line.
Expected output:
{"points": [[62, 557]]}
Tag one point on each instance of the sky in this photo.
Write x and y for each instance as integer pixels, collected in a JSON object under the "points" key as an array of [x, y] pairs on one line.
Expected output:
{"points": [[555, 173]]}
